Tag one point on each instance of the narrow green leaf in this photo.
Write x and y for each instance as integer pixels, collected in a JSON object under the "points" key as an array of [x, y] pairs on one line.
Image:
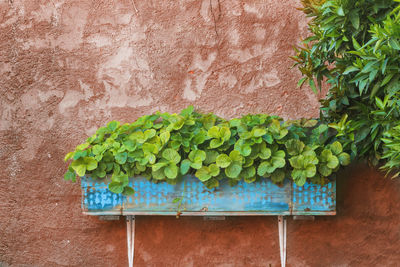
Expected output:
{"points": [[340, 11], [394, 43], [312, 85], [350, 69], [379, 103], [116, 187], [301, 82]]}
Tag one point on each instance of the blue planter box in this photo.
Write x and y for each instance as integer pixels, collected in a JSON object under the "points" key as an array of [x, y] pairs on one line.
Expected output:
{"points": [[260, 198]]}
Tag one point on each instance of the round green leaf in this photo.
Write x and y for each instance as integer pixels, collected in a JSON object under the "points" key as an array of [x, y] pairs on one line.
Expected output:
{"points": [[101, 173], [278, 162], [149, 148], [158, 174], [196, 165], [246, 150], [158, 166], [225, 133], [234, 122], [121, 158], [235, 156], [294, 147], [203, 174], [79, 154], [200, 138], [278, 176], [299, 177], [214, 170], [265, 153], [324, 170], [223, 161], [282, 133], [212, 183], [79, 167], [213, 132], [250, 180], [233, 170], [128, 191], [248, 172], [310, 170], [164, 137], [90, 163], [257, 132], [216, 143], [151, 158], [149, 133], [171, 155], [97, 149], [263, 168], [185, 166], [187, 111], [70, 176], [336, 148], [344, 159], [179, 124], [211, 156], [174, 144], [197, 155], [121, 178], [171, 171], [113, 125], [333, 162], [297, 162]]}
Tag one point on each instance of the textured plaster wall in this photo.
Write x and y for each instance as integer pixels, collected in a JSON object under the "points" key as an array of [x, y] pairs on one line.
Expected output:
{"points": [[68, 67]]}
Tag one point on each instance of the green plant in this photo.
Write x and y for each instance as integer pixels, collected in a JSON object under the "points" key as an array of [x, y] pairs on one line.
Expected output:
{"points": [[165, 147], [392, 150], [354, 46]]}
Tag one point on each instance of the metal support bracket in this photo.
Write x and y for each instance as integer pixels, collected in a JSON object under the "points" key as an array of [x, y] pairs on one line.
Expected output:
{"points": [[282, 238], [214, 218], [130, 234]]}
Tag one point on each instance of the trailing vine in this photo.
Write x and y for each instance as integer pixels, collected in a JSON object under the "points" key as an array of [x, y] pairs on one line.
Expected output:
{"points": [[166, 147]]}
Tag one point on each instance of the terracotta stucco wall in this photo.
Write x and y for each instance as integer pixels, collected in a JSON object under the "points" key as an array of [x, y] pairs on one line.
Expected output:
{"points": [[68, 67]]}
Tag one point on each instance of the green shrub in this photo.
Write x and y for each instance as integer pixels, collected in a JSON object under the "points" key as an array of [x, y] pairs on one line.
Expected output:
{"points": [[355, 48]]}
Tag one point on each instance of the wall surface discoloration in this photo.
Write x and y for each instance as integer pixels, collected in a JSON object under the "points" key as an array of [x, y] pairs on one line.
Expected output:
{"points": [[68, 67]]}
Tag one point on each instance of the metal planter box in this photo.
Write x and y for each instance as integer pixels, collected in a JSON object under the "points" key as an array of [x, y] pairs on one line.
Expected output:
{"points": [[260, 198]]}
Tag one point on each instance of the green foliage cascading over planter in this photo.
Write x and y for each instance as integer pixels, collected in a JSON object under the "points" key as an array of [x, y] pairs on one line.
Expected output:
{"points": [[165, 147], [355, 47]]}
